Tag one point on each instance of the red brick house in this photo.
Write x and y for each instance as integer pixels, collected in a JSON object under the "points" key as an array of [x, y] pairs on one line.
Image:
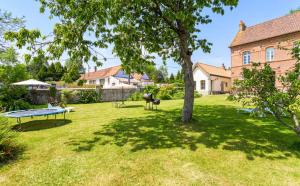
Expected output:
{"points": [[265, 43]]}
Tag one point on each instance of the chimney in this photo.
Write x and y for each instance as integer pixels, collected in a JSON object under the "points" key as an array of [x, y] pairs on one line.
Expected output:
{"points": [[242, 26], [95, 68], [223, 66]]}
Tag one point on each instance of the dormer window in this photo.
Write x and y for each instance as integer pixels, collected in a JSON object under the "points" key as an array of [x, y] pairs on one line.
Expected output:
{"points": [[246, 57], [270, 52]]}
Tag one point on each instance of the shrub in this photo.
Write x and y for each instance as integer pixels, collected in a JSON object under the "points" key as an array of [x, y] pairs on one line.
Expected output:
{"points": [[81, 82], [230, 98], [152, 89], [178, 95], [89, 96], [164, 95], [13, 98], [52, 91], [8, 146], [166, 92], [197, 95], [137, 96], [66, 96]]}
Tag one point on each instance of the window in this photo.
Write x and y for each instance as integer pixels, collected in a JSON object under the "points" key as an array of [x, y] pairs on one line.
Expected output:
{"points": [[92, 82], [102, 81], [270, 54], [246, 58], [202, 82], [195, 85]]}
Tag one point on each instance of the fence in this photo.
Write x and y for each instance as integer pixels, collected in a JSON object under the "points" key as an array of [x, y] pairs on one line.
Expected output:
{"points": [[41, 96], [117, 94]]}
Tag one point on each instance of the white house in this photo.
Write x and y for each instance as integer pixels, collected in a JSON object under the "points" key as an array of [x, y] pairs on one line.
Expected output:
{"points": [[114, 76], [211, 79]]}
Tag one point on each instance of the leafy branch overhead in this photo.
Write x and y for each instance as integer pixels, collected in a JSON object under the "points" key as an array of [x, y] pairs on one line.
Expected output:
{"points": [[8, 23], [136, 29]]}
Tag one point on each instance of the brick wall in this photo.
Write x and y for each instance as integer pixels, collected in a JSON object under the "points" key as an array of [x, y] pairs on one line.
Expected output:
{"points": [[282, 61]]}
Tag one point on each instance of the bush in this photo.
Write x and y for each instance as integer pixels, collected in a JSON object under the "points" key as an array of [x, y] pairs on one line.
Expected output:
{"points": [[82, 96], [197, 95], [178, 95], [137, 96], [164, 95], [166, 92], [13, 98], [230, 98], [66, 96], [152, 89], [89, 96], [52, 91], [8, 147]]}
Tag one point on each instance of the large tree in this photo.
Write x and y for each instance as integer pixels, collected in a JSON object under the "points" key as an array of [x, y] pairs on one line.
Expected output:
{"points": [[169, 28]]}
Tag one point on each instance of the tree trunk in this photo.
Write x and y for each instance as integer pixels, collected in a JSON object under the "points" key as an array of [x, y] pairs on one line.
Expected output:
{"points": [[188, 105], [187, 67], [296, 124]]}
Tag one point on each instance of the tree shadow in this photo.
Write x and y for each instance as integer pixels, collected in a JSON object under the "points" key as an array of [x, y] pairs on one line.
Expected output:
{"points": [[213, 126], [40, 125]]}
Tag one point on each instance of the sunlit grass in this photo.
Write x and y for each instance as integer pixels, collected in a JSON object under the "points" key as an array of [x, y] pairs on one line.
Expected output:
{"points": [[103, 145]]}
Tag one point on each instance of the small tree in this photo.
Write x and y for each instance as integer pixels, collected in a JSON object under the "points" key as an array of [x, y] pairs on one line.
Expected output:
{"points": [[295, 10], [72, 71], [179, 77], [172, 78], [258, 88], [59, 70]]}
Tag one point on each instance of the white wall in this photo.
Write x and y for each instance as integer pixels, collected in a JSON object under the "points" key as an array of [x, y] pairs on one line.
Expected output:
{"points": [[216, 83], [109, 82], [199, 75]]}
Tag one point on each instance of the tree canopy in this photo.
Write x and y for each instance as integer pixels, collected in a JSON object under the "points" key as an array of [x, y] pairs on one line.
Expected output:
{"points": [[169, 28]]}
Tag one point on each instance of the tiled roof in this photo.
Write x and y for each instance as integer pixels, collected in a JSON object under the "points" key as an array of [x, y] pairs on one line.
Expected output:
{"points": [[213, 70], [276, 27], [102, 73]]}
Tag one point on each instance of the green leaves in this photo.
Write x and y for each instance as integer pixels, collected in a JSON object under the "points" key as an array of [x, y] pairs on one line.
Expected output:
{"points": [[258, 88], [8, 23]]}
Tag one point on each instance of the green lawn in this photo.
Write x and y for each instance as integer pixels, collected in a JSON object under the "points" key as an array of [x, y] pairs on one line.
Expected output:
{"points": [[102, 145]]}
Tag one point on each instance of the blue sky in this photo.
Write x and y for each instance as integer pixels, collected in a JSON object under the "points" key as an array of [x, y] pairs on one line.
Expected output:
{"points": [[220, 32]]}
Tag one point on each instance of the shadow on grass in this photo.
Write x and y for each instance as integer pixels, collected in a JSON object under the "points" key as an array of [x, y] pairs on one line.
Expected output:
{"points": [[14, 152], [213, 126], [40, 125], [131, 106]]}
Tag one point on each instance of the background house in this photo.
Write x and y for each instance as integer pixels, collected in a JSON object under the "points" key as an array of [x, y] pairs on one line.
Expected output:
{"points": [[265, 43], [115, 76], [210, 79]]}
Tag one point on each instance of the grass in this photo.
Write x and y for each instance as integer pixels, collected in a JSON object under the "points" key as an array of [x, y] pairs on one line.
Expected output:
{"points": [[102, 145]]}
